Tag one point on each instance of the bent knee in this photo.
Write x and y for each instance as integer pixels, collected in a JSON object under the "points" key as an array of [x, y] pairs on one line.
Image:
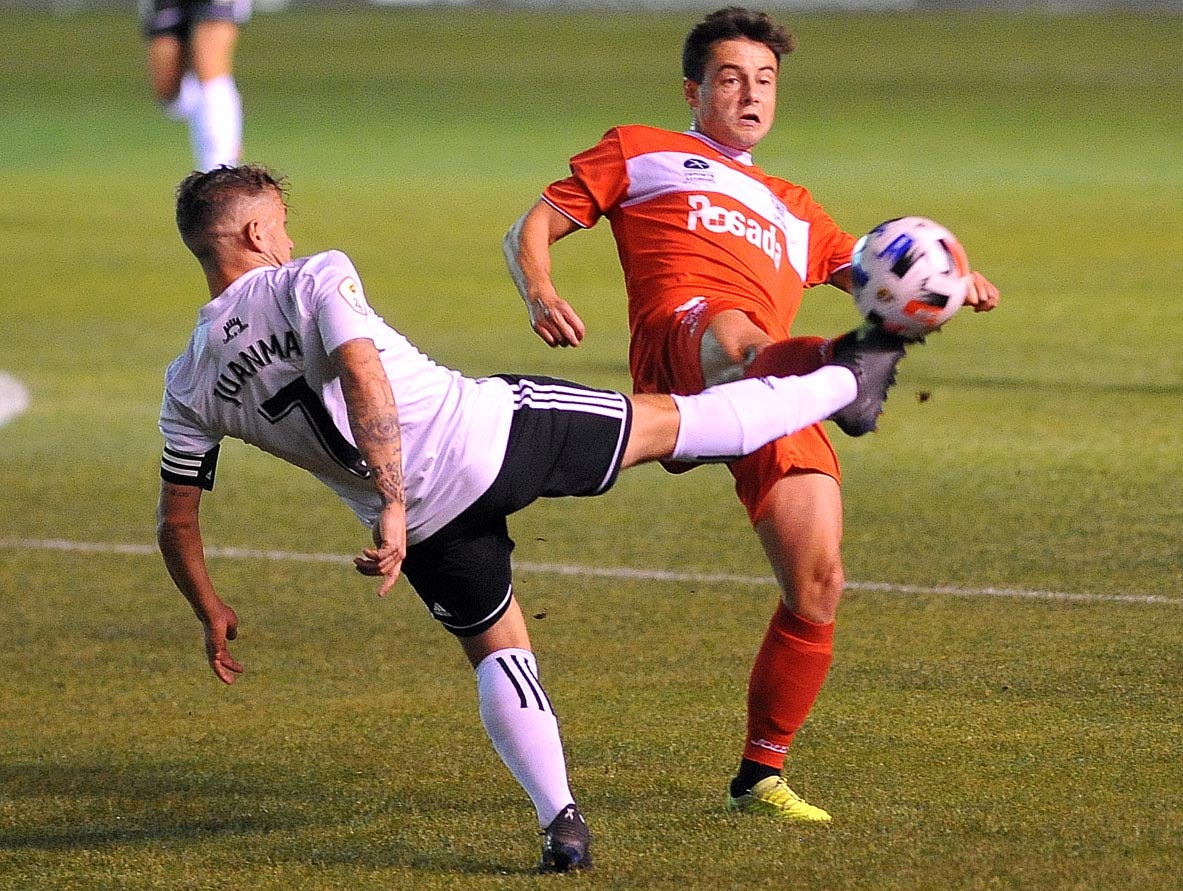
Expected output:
{"points": [[728, 346], [815, 596]]}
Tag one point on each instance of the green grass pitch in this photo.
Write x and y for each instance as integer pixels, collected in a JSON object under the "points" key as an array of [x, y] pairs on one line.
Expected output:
{"points": [[965, 740]]}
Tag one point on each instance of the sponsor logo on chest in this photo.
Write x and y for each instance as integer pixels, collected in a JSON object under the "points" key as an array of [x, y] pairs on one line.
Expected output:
{"points": [[714, 218]]}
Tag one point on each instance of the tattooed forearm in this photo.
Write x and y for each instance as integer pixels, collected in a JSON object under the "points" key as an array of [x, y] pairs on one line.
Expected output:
{"points": [[381, 427], [373, 416], [388, 478]]}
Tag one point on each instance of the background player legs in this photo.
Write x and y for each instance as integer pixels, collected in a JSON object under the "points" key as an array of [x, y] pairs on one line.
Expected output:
{"points": [[167, 73], [215, 127], [801, 531]]}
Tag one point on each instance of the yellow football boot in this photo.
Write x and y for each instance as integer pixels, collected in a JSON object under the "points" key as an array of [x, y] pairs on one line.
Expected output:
{"points": [[772, 797]]}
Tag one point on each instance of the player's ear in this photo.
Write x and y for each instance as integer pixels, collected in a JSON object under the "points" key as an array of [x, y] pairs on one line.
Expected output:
{"points": [[690, 91], [253, 233]]}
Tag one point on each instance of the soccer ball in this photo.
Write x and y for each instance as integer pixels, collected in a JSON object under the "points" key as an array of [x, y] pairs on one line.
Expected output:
{"points": [[910, 276]]}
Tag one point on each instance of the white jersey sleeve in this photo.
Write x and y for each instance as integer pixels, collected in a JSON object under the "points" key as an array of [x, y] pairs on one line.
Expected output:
{"points": [[190, 456], [339, 304]]}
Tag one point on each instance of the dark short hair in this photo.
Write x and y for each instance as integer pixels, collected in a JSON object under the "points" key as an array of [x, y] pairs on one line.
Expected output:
{"points": [[204, 198], [732, 23]]}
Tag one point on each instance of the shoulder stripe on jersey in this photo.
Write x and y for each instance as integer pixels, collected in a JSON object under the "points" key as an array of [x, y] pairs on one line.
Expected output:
{"points": [[661, 172], [579, 223]]}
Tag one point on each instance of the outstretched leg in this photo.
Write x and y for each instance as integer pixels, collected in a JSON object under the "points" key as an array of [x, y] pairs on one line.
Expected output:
{"points": [[735, 418], [732, 346]]}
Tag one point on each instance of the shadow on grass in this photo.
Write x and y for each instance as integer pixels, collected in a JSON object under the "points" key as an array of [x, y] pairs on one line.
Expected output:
{"points": [[436, 860], [89, 805], [64, 838], [287, 817]]}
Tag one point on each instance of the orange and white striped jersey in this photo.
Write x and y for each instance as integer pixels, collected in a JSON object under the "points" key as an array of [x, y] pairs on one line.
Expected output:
{"points": [[693, 218]]}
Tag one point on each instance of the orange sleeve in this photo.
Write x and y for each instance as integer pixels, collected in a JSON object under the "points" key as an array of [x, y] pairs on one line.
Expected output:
{"points": [[830, 249], [829, 246], [598, 180]]}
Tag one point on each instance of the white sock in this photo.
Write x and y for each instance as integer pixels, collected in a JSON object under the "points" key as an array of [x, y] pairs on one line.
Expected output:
{"points": [[215, 127], [182, 108], [521, 723], [736, 418]]}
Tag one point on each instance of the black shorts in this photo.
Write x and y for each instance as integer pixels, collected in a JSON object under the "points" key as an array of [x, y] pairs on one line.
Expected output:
{"points": [[179, 16], [564, 440]]}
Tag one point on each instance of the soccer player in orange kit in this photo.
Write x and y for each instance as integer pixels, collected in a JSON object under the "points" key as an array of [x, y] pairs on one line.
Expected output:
{"points": [[716, 256]]}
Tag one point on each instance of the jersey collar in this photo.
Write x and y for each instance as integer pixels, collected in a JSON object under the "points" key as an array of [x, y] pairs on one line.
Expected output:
{"points": [[212, 308], [740, 155]]}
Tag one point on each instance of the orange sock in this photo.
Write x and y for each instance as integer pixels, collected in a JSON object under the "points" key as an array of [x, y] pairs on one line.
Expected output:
{"points": [[785, 358], [790, 669]]}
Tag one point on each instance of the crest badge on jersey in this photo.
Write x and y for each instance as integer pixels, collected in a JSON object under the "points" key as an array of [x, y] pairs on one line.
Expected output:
{"points": [[350, 291]]}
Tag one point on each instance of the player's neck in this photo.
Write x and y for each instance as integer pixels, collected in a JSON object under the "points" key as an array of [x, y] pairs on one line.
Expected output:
{"points": [[220, 274], [744, 156]]}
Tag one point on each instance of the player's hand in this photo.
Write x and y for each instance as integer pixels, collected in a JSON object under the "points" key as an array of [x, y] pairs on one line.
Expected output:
{"points": [[385, 559], [553, 319], [982, 295], [221, 626]]}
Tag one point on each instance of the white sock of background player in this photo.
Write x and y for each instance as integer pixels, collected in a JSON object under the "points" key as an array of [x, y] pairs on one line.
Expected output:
{"points": [[215, 127], [188, 96]]}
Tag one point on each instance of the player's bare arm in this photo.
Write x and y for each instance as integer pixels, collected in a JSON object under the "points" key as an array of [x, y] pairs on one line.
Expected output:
{"points": [[527, 253], [841, 279], [178, 534], [373, 418]]}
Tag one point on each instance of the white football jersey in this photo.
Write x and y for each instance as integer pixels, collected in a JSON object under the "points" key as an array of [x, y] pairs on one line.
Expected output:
{"points": [[257, 369]]}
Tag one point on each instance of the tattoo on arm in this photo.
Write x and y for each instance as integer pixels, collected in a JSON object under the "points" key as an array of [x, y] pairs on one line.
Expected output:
{"points": [[182, 493], [389, 480], [373, 417]]}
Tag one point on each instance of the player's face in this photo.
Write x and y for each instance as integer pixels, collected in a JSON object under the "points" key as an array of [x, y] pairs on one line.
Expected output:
{"points": [[736, 101]]}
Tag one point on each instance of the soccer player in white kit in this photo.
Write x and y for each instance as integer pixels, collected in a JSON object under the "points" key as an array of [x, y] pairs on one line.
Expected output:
{"points": [[289, 356]]}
